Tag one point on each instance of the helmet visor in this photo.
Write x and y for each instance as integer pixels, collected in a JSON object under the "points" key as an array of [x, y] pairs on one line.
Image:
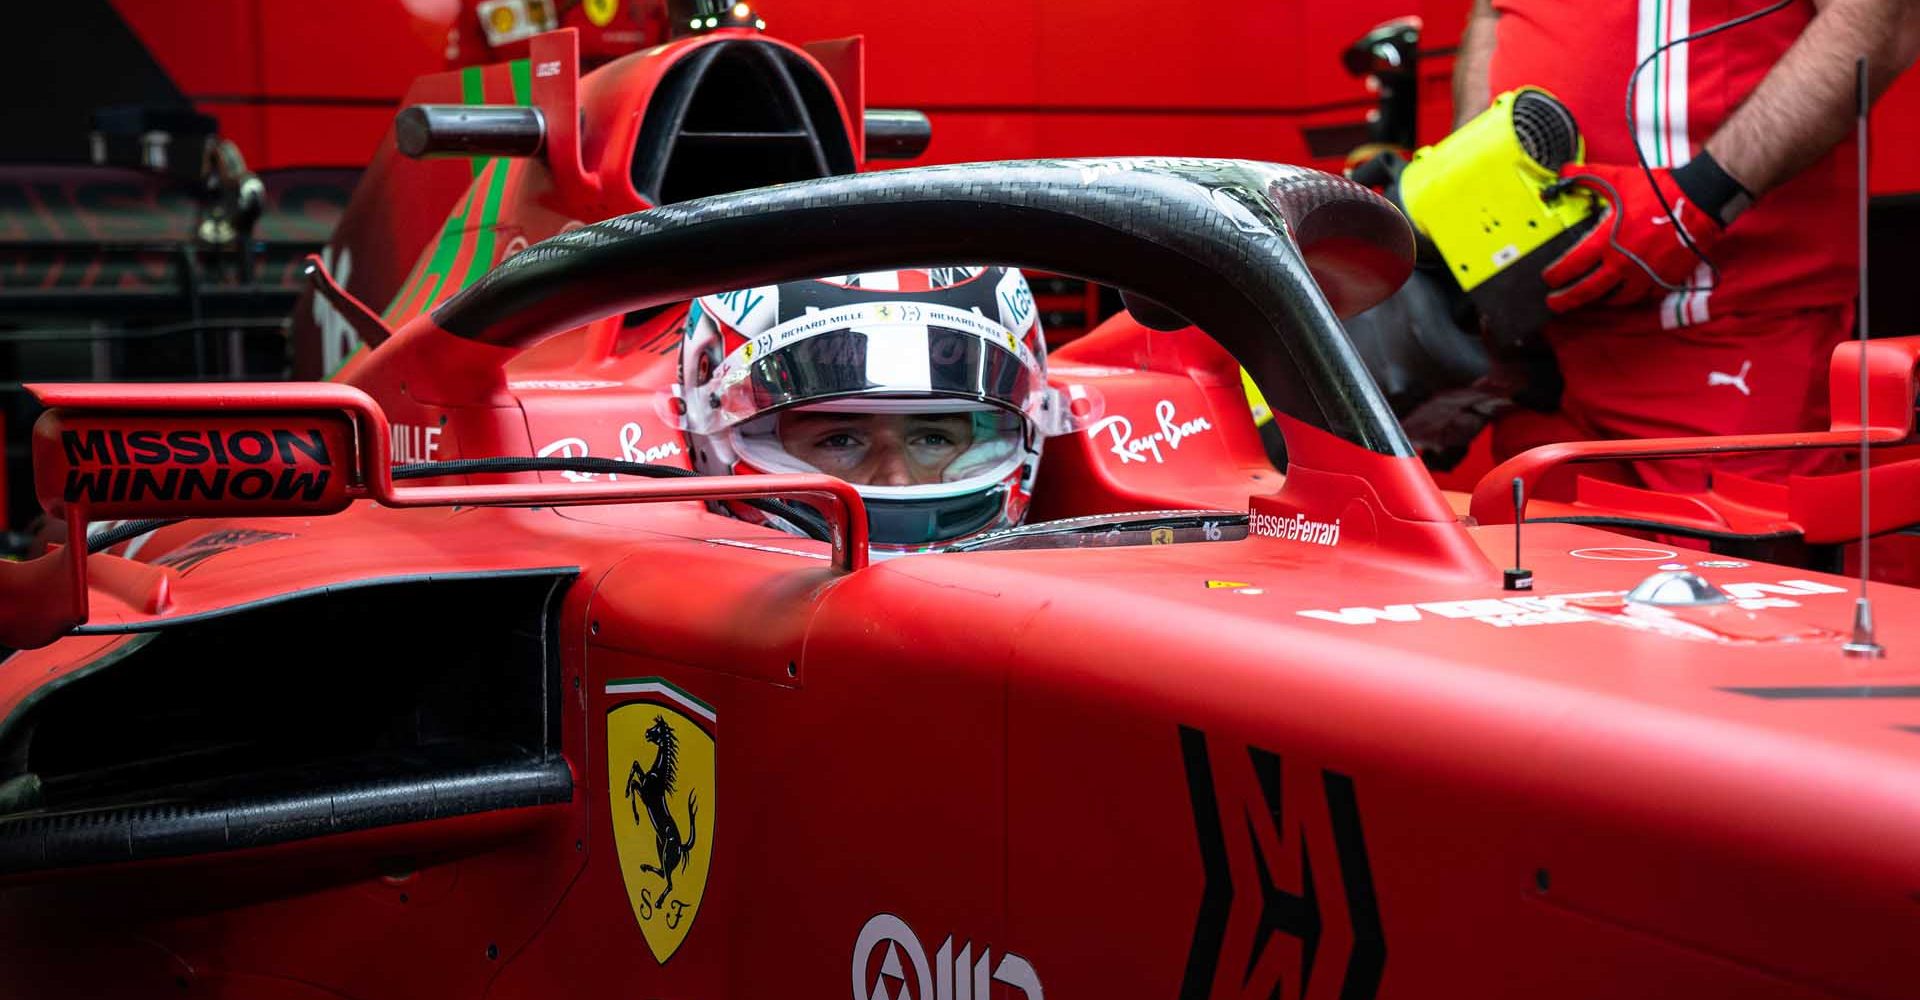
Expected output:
{"points": [[898, 448], [898, 349]]}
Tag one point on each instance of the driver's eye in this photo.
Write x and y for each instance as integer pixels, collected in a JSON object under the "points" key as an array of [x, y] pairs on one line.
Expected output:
{"points": [[839, 440], [934, 439]]}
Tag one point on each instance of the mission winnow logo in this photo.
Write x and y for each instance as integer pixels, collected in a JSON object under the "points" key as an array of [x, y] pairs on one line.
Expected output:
{"points": [[111, 465]]}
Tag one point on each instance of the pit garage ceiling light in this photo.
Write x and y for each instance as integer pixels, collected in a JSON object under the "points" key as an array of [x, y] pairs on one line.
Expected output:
{"points": [[740, 15]]}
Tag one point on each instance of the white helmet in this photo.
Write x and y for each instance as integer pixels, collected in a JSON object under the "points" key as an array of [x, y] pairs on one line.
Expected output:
{"points": [[926, 388]]}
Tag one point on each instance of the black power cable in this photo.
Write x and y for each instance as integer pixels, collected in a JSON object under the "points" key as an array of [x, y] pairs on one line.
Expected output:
{"points": [[100, 541], [807, 520], [1613, 231], [803, 518], [1633, 132]]}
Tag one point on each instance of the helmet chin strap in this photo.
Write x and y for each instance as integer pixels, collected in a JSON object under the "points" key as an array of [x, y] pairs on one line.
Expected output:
{"points": [[932, 523]]}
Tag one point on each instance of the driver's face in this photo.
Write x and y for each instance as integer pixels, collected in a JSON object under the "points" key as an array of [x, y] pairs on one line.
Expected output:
{"points": [[877, 449]]}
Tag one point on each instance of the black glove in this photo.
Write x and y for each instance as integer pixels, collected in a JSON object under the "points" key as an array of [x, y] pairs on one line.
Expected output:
{"points": [[1443, 427]]}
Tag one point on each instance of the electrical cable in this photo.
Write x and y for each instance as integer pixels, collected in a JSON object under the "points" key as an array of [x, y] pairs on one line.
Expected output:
{"points": [[807, 520], [1613, 233], [99, 541], [1633, 133]]}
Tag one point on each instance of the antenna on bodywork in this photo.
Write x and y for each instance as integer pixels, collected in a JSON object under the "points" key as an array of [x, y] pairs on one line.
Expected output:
{"points": [[1863, 642], [1518, 577]]}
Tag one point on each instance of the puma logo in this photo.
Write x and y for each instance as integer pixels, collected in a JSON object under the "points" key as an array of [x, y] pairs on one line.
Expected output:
{"points": [[1679, 206], [1737, 381]]}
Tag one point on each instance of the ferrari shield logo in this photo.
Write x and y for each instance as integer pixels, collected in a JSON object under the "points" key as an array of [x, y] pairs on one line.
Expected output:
{"points": [[660, 763], [601, 12]]}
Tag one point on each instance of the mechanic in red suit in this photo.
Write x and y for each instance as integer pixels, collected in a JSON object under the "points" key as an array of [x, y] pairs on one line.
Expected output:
{"points": [[1745, 130]]}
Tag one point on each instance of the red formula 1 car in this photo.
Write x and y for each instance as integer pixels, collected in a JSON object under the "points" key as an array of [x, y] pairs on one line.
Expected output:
{"points": [[337, 731], [483, 162]]}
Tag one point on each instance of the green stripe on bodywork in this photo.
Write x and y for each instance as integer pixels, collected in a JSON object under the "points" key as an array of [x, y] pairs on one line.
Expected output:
{"points": [[482, 260], [522, 72], [432, 290], [663, 682], [450, 237], [488, 188], [344, 362], [407, 288], [449, 248], [473, 90]]}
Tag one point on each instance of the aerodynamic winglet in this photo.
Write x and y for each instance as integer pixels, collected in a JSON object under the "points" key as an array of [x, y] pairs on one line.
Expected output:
{"points": [[365, 323]]}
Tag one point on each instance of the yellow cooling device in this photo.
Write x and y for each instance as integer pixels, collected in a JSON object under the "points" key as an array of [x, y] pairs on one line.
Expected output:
{"points": [[1485, 196]]}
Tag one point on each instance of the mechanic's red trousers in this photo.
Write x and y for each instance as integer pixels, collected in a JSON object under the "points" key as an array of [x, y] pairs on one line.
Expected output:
{"points": [[1738, 374]]}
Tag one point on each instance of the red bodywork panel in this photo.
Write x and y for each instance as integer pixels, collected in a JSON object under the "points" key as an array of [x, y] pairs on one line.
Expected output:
{"points": [[1343, 770], [1333, 758], [1611, 812]]}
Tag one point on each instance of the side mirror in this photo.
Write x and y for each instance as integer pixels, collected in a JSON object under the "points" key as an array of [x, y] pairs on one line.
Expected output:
{"points": [[112, 451], [92, 466], [436, 130], [107, 451], [896, 135], [1889, 380]]}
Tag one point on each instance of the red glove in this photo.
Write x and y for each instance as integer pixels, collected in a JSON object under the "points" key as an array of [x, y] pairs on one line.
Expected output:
{"points": [[1595, 271]]}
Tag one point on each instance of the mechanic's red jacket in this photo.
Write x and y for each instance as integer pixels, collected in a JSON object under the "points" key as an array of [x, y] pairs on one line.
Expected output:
{"points": [[1796, 248]]}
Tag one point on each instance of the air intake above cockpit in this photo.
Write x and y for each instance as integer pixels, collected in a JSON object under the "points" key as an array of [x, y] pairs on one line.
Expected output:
{"points": [[737, 115]]}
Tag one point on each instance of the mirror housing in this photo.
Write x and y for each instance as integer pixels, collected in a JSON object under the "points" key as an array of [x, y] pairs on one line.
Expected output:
{"points": [[149, 465]]}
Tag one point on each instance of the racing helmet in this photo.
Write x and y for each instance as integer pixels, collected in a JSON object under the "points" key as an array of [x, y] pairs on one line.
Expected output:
{"points": [[926, 388]]}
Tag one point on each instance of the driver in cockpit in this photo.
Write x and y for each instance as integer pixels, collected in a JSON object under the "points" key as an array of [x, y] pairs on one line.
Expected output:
{"points": [[926, 388]]}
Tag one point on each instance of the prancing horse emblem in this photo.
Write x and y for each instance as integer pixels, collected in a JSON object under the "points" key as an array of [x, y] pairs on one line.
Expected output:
{"points": [[651, 788], [660, 787]]}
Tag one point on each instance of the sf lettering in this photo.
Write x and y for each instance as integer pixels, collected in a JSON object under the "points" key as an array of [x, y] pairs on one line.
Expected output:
{"points": [[671, 913]]}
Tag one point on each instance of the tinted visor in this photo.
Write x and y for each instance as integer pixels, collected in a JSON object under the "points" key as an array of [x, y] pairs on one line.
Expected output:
{"points": [[875, 442], [881, 349], [842, 363]]}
